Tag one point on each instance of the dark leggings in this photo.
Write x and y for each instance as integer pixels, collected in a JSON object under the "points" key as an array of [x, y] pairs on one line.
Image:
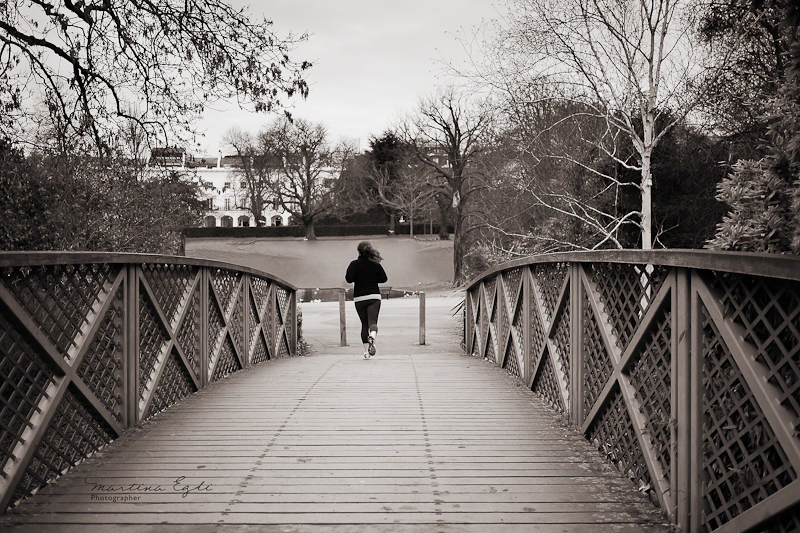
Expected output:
{"points": [[368, 313]]}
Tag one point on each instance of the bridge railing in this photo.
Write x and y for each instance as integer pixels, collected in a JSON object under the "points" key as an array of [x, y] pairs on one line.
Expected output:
{"points": [[681, 367], [92, 344]]}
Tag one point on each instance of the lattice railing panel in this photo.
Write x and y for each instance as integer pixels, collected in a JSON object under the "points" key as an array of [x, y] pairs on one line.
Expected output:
{"points": [[493, 341], [512, 281], [769, 311], [60, 298], [512, 285], [101, 367], [560, 337], [175, 383], [502, 325], [538, 333], [259, 288], [613, 433], [227, 362], [170, 285], [253, 322], [91, 349], [153, 339], [650, 375], [216, 327], [597, 364], [518, 325], [225, 282], [260, 350], [546, 386], [490, 353], [236, 325], [688, 371], [75, 432], [283, 347], [490, 289], [189, 332], [25, 379], [743, 461], [282, 297], [511, 362], [550, 278], [626, 291], [289, 322]]}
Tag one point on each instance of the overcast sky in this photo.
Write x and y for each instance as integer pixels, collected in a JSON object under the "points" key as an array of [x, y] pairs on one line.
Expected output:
{"points": [[373, 60]]}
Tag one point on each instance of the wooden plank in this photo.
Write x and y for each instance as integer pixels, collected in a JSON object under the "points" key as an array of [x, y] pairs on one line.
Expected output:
{"points": [[336, 443]]}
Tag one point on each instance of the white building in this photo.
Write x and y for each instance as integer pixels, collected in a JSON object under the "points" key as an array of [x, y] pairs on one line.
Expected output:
{"points": [[226, 190]]}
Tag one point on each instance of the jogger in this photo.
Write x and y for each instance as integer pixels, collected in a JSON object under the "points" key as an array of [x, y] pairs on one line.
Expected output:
{"points": [[366, 273]]}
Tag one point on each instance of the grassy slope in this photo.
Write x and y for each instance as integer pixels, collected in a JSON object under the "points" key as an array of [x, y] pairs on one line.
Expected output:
{"points": [[409, 263]]}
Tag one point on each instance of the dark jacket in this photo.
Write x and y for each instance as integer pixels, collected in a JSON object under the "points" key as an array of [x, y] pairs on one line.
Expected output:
{"points": [[366, 274]]}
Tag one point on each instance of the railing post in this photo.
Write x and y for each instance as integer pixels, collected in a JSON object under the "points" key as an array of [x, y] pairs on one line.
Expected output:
{"points": [[527, 358], [422, 318], [695, 369], [274, 304], [500, 312], [342, 320], [469, 322], [130, 361], [293, 312], [576, 342], [680, 453], [204, 312], [246, 319]]}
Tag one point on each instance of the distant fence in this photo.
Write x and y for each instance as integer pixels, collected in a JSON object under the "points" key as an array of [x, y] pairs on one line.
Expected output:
{"points": [[681, 367], [298, 231], [92, 344]]}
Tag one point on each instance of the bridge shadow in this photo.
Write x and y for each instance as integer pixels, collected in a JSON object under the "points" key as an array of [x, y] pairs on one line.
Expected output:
{"points": [[418, 438]]}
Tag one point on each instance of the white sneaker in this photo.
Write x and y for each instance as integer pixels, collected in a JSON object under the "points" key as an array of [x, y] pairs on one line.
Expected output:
{"points": [[372, 345]]}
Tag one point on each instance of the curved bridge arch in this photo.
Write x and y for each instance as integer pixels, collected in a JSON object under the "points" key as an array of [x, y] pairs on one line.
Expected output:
{"points": [[94, 343], [682, 367]]}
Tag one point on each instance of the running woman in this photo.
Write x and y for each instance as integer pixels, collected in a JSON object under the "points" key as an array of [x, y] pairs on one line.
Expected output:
{"points": [[366, 273]]}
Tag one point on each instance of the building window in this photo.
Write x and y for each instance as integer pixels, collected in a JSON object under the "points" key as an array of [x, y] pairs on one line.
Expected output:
{"points": [[244, 221], [277, 220], [227, 204], [227, 222], [210, 222]]}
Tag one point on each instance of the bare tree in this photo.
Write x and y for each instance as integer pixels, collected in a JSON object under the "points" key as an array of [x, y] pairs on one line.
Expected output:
{"points": [[170, 58], [627, 63], [261, 167], [449, 133], [310, 167], [408, 193]]}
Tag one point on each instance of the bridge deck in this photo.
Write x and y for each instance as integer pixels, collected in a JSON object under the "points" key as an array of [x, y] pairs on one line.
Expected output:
{"points": [[419, 438]]}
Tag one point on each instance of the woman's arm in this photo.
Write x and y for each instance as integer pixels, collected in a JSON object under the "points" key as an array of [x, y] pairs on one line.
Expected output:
{"points": [[350, 275]]}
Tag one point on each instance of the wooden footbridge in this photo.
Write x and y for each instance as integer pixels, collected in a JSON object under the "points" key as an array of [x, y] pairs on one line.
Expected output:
{"points": [[603, 391]]}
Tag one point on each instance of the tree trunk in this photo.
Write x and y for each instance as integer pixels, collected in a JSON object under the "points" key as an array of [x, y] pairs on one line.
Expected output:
{"points": [[443, 204], [458, 249], [647, 201], [310, 235], [411, 226]]}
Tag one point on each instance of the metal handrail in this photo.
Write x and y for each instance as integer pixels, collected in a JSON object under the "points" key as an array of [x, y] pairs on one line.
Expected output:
{"points": [[92, 344], [681, 366]]}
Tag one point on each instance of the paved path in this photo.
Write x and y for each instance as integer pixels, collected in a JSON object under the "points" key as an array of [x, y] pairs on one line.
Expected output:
{"points": [[417, 439]]}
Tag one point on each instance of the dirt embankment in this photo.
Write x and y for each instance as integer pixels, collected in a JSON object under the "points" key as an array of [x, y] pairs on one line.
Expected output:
{"points": [[411, 264]]}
